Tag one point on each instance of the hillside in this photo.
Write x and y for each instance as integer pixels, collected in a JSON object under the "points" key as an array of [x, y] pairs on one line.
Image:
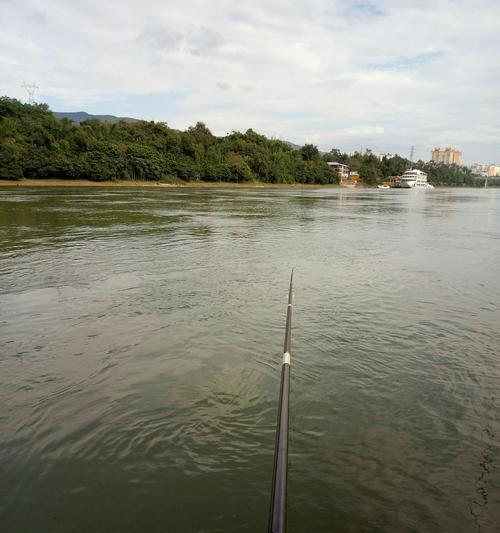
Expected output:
{"points": [[35, 144]]}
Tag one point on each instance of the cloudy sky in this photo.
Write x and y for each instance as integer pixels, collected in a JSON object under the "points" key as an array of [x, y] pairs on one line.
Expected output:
{"points": [[384, 75]]}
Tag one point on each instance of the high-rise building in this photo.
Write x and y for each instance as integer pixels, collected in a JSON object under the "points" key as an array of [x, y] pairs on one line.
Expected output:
{"points": [[447, 156], [493, 171]]}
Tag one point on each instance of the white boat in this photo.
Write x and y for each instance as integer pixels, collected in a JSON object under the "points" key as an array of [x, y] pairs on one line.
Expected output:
{"points": [[414, 179], [383, 187]]}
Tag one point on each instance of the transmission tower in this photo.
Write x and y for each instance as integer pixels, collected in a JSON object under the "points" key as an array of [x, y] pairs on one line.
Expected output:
{"points": [[30, 89], [412, 152]]}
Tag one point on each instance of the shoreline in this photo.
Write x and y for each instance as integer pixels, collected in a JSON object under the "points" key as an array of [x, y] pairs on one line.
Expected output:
{"points": [[126, 184], [158, 185]]}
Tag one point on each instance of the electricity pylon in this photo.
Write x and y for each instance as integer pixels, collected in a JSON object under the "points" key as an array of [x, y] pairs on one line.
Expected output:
{"points": [[30, 89]]}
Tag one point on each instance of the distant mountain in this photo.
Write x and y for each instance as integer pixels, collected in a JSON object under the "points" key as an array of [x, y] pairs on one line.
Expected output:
{"points": [[292, 145], [81, 116]]}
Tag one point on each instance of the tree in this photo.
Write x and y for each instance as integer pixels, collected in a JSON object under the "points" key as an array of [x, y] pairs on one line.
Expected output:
{"points": [[309, 152], [11, 159], [34, 144]]}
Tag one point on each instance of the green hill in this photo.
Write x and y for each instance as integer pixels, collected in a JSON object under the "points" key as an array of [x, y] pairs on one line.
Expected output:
{"points": [[36, 143]]}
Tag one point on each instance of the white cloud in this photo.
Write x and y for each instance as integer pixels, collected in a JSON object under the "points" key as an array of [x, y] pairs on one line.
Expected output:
{"points": [[384, 74]]}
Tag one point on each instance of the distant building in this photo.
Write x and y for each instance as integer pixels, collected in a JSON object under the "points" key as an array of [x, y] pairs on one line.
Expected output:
{"points": [[493, 171], [446, 156], [483, 171], [387, 156], [480, 170], [340, 169]]}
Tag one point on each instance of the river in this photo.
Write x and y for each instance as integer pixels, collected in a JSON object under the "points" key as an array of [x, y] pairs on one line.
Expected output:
{"points": [[141, 333]]}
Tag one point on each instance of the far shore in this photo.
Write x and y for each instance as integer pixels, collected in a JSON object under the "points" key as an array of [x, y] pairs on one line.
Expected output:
{"points": [[181, 185], [158, 185]]}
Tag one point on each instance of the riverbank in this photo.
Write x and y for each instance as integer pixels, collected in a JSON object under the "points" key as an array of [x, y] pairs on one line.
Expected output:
{"points": [[158, 185]]}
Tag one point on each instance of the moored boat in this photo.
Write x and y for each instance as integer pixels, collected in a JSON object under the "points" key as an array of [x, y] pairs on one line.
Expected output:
{"points": [[414, 179]]}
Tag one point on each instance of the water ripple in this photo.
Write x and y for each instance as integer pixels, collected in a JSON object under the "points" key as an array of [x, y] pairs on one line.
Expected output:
{"points": [[141, 347]]}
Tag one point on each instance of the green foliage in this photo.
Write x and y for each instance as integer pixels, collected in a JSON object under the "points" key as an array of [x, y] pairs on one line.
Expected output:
{"points": [[440, 174], [34, 144], [309, 152], [11, 159]]}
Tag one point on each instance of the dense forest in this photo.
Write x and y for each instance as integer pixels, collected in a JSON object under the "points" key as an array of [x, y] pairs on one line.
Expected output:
{"points": [[35, 144]]}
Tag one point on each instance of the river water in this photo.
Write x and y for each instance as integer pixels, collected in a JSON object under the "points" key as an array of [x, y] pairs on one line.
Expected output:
{"points": [[140, 351]]}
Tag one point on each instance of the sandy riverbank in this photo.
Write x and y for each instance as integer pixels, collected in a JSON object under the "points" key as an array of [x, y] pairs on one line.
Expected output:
{"points": [[154, 184]]}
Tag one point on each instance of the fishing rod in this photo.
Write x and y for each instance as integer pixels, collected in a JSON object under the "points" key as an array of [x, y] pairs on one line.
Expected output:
{"points": [[277, 513]]}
